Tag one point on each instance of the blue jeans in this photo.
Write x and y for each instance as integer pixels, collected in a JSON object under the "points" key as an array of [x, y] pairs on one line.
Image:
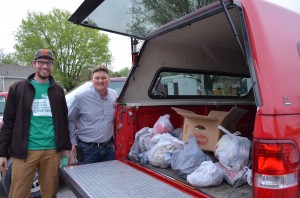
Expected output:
{"points": [[93, 154]]}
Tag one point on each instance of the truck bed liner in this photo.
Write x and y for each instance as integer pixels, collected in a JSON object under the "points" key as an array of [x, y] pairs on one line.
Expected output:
{"points": [[221, 191], [115, 179]]}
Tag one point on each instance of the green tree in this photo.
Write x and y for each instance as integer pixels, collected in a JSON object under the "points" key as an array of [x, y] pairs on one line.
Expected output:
{"points": [[124, 71], [9, 58], [147, 14], [77, 49]]}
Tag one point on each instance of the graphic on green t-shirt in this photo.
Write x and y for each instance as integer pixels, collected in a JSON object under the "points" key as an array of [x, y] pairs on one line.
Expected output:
{"points": [[41, 134]]}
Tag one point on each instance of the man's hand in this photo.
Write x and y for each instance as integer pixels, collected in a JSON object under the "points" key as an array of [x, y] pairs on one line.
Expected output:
{"points": [[71, 155], [3, 164], [74, 150]]}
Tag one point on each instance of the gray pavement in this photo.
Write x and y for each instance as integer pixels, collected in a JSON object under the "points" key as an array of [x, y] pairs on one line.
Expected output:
{"points": [[63, 192]]}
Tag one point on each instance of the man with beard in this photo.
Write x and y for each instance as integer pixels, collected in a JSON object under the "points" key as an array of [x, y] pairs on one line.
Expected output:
{"points": [[91, 120], [35, 130]]}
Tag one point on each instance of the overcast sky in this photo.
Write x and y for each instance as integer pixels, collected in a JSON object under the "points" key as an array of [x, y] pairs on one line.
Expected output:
{"points": [[12, 12]]}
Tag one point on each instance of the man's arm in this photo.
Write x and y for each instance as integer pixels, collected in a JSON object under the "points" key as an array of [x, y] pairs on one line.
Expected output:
{"points": [[9, 117], [72, 117]]}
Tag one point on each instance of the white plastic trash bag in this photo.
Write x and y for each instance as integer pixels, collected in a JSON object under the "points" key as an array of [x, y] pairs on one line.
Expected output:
{"points": [[177, 133], [159, 154], [164, 145], [249, 175], [167, 137], [163, 125], [142, 143], [233, 178], [207, 174], [232, 150], [187, 158]]}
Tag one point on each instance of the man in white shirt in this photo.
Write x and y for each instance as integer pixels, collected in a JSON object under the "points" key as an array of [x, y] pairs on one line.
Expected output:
{"points": [[91, 120]]}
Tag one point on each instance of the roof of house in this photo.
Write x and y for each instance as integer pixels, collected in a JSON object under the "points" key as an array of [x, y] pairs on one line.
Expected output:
{"points": [[17, 71]]}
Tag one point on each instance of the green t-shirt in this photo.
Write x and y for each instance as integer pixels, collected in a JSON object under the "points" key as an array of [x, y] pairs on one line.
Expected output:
{"points": [[41, 132]]}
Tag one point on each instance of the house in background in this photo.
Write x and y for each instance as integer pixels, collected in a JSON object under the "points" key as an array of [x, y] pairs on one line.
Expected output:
{"points": [[9, 74]]}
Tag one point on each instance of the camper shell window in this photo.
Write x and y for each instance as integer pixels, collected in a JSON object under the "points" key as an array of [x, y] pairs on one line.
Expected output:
{"points": [[170, 83]]}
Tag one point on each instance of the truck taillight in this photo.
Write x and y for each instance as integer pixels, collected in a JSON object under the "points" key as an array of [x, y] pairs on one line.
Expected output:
{"points": [[275, 168]]}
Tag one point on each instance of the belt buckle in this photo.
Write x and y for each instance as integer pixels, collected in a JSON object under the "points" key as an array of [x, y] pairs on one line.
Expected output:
{"points": [[98, 144]]}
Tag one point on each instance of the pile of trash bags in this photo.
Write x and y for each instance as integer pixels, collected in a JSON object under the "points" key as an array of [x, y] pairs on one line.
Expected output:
{"points": [[161, 146]]}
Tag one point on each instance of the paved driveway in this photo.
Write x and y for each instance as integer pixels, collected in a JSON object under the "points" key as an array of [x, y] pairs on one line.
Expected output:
{"points": [[63, 192]]}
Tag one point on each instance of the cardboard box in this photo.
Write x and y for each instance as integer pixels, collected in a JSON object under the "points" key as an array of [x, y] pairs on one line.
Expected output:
{"points": [[205, 128]]}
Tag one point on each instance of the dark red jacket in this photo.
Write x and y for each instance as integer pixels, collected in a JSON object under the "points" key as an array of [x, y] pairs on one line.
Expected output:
{"points": [[15, 130]]}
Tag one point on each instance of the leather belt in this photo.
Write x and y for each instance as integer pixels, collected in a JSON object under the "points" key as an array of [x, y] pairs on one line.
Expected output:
{"points": [[100, 144]]}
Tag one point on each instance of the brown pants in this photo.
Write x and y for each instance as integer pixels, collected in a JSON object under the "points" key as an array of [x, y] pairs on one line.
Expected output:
{"points": [[23, 170]]}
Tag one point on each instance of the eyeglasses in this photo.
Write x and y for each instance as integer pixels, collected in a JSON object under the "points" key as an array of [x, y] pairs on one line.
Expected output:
{"points": [[48, 63]]}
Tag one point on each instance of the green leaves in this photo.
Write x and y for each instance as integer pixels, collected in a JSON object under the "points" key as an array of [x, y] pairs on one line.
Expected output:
{"points": [[77, 49]]}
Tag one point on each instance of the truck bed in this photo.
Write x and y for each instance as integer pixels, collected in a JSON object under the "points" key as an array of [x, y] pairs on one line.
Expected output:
{"points": [[117, 179], [135, 120], [221, 191]]}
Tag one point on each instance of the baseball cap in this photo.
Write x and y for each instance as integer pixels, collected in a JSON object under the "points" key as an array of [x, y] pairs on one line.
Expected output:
{"points": [[44, 53]]}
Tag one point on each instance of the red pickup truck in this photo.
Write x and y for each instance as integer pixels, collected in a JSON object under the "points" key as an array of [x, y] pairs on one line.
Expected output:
{"points": [[202, 56]]}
